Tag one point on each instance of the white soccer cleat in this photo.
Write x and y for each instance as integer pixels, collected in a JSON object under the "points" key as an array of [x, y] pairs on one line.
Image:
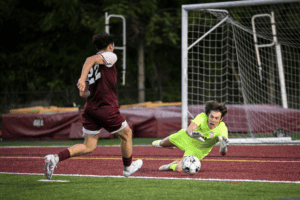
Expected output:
{"points": [[167, 167], [135, 166], [156, 143], [51, 161]]}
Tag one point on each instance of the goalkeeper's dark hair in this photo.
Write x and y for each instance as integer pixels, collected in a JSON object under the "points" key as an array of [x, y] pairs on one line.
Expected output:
{"points": [[214, 105], [102, 40]]}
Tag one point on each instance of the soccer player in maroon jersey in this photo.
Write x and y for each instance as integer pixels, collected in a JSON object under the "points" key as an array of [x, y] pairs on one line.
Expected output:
{"points": [[98, 85]]}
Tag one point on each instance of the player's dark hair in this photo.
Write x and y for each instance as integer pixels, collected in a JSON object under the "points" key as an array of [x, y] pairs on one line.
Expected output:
{"points": [[214, 105], [102, 40]]}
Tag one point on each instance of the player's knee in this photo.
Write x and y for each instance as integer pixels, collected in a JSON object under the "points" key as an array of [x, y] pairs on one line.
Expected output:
{"points": [[125, 134], [128, 133], [89, 148]]}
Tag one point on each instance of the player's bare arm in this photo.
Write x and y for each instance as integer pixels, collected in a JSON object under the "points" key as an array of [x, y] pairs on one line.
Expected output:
{"points": [[194, 134], [85, 93], [191, 128], [223, 145], [89, 63]]}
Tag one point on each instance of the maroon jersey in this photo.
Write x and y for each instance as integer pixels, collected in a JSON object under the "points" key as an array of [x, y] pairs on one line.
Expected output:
{"points": [[102, 85]]}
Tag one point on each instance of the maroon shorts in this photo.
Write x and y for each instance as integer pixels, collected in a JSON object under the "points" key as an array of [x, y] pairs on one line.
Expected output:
{"points": [[94, 119]]}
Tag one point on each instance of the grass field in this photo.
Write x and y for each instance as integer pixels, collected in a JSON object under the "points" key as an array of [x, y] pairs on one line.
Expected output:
{"points": [[29, 187], [13, 186]]}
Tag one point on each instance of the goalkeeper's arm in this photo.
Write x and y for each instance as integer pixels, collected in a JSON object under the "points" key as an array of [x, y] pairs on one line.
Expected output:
{"points": [[223, 141], [194, 134]]}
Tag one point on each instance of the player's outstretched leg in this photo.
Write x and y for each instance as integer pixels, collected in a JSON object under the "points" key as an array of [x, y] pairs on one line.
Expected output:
{"points": [[165, 143], [167, 167], [156, 143], [51, 161]]}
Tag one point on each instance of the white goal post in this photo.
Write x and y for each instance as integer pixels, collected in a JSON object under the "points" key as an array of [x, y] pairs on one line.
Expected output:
{"points": [[123, 48], [245, 54]]}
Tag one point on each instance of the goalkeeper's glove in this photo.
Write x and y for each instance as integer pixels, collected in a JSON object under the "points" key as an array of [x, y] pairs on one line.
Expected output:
{"points": [[223, 143], [197, 135]]}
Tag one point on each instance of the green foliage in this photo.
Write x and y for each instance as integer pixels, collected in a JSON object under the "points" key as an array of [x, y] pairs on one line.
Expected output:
{"points": [[44, 46], [47, 46]]}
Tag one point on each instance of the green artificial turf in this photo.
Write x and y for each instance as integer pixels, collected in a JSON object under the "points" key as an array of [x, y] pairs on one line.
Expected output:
{"points": [[28, 187]]}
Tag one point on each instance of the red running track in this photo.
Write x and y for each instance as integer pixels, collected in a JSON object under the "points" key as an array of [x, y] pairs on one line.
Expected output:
{"points": [[271, 163]]}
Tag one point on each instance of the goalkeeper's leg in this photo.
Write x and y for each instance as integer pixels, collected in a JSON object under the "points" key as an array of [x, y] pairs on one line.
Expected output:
{"points": [[177, 167], [173, 166], [165, 143]]}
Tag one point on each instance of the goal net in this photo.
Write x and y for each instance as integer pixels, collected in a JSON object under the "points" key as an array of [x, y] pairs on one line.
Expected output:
{"points": [[245, 54]]}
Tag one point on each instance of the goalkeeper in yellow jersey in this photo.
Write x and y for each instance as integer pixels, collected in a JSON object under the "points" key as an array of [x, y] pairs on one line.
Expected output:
{"points": [[204, 132]]}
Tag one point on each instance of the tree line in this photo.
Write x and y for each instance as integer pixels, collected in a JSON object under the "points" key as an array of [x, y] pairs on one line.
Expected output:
{"points": [[44, 43]]}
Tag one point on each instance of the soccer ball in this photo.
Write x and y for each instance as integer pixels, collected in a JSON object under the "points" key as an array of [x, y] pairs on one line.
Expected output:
{"points": [[191, 164]]}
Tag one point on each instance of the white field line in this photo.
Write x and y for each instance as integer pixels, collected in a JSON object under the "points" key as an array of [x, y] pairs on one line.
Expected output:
{"points": [[165, 178], [59, 181]]}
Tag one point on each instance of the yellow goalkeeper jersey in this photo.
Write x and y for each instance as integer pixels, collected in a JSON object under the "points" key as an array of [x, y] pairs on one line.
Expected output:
{"points": [[194, 147], [210, 135]]}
